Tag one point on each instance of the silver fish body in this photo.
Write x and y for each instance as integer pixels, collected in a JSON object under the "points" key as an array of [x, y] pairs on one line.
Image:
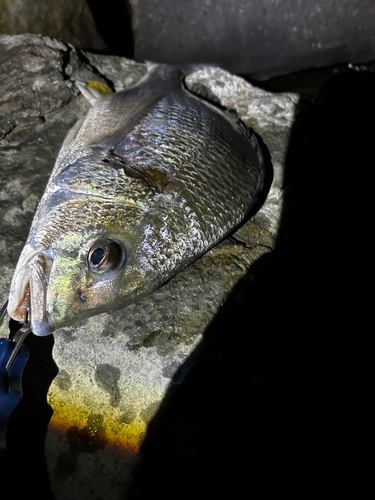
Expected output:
{"points": [[151, 179]]}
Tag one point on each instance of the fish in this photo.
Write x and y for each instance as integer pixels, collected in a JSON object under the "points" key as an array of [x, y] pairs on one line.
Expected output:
{"points": [[146, 183]]}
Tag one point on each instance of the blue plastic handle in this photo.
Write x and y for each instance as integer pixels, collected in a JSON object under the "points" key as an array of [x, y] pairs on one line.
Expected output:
{"points": [[10, 383]]}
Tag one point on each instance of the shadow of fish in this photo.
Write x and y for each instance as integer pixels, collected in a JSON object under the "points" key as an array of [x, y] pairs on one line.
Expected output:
{"points": [[146, 183]]}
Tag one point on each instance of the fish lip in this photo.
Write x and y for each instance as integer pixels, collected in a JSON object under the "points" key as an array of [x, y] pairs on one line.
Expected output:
{"points": [[19, 297], [29, 290]]}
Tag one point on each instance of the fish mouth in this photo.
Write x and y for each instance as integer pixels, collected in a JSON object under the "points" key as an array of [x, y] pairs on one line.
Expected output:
{"points": [[28, 293]]}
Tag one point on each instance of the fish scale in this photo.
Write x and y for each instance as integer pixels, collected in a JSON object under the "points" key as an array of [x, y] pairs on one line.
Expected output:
{"points": [[153, 177], [162, 138]]}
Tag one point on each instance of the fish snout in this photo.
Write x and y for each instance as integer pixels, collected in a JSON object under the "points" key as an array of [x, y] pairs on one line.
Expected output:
{"points": [[29, 290]]}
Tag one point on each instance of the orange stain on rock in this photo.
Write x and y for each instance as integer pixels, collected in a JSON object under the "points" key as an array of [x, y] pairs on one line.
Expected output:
{"points": [[95, 430]]}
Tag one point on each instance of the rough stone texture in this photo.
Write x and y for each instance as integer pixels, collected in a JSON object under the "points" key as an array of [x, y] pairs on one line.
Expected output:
{"points": [[115, 368], [69, 21]]}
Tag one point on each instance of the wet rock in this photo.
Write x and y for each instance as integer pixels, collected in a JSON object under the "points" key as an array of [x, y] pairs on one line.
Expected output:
{"points": [[118, 365]]}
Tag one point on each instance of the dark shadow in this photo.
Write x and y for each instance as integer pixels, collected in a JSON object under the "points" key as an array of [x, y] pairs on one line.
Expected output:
{"points": [[114, 24], [268, 177], [23, 463], [278, 399]]}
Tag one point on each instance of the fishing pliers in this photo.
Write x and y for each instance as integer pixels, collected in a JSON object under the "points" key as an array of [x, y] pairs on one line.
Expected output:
{"points": [[13, 358]]}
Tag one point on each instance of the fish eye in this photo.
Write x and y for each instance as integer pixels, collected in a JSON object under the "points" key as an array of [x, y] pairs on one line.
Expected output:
{"points": [[97, 256], [105, 255]]}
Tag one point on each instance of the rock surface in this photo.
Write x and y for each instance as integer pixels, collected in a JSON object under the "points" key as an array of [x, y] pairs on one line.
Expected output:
{"points": [[116, 368], [259, 38], [69, 21]]}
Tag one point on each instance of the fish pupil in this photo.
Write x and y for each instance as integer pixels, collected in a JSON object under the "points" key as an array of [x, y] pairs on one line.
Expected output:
{"points": [[97, 256]]}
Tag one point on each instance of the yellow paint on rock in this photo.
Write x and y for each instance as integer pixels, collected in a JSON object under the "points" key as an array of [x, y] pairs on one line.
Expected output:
{"points": [[93, 426]]}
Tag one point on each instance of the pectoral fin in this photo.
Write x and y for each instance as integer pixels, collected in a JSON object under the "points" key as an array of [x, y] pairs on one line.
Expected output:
{"points": [[157, 177], [113, 144], [127, 121]]}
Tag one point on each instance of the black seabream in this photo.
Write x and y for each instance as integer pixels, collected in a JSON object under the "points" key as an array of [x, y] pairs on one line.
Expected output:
{"points": [[148, 181]]}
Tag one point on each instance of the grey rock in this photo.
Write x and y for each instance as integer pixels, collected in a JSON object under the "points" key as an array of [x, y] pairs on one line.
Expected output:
{"points": [[259, 38], [246, 37], [68, 20], [116, 368], [120, 71]]}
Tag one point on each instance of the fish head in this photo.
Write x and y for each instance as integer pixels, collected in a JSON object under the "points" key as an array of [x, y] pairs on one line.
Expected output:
{"points": [[80, 260]]}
